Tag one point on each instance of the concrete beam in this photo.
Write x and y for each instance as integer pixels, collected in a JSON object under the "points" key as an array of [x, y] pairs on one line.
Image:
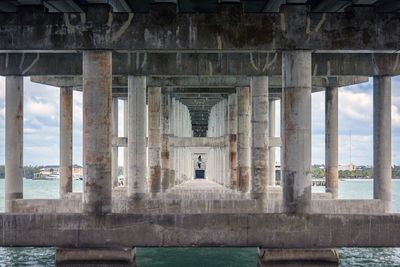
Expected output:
{"points": [[225, 30], [204, 82], [199, 141], [191, 64], [200, 230]]}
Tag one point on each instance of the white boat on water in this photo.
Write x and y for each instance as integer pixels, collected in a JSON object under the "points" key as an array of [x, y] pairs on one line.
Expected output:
{"points": [[53, 176]]}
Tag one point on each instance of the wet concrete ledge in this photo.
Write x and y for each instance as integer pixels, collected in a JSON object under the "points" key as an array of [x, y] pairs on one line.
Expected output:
{"points": [[200, 230]]}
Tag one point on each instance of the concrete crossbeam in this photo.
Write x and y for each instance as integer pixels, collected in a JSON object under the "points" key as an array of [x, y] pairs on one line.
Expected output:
{"points": [[225, 30], [210, 64], [130, 230], [196, 82]]}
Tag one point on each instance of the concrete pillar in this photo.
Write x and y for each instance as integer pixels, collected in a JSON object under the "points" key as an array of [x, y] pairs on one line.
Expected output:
{"points": [[271, 179], [296, 80], [259, 140], [232, 106], [66, 115], [154, 139], [243, 142], [382, 140], [14, 140], [331, 141], [165, 146], [97, 89], [126, 130], [171, 145], [80, 257], [137, 165], [114, 152]]}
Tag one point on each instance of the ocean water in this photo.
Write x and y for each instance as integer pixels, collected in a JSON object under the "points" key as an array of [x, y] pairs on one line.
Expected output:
{"points": [[213, 257]]}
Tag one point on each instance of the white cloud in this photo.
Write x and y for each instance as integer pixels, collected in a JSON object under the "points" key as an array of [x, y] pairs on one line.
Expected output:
{"points": [[355, 105]]}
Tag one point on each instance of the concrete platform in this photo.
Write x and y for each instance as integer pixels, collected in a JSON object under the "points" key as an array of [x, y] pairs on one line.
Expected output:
{"points": [[95, 257], [298, 257]]}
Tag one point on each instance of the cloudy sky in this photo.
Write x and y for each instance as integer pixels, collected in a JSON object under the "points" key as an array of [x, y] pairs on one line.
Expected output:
{"points": [[41, 124]]}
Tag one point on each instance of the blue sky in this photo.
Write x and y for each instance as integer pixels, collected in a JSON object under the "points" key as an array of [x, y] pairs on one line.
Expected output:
{"points": [[41, 124]]}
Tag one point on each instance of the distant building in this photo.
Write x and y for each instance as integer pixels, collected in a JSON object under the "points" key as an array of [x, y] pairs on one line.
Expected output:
{"points": [[350, 167], [52, 172]]}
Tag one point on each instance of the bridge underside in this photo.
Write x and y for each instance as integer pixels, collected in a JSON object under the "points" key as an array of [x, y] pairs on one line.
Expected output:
{"points": [[199, 84]]}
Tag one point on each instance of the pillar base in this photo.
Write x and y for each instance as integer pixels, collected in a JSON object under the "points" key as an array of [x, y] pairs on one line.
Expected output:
{"points": [[88, 257], [298, 257]]}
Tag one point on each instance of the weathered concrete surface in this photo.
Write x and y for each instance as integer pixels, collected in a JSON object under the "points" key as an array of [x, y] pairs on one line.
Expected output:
{"points": [[259, 136], [243, 138], [137, 145], [296, 152], [232, 110], [165, 141], [332, 140], [85, 257], [382, 108], [97, 131], [66, 117], [14, 139], [224, 30], [298, 257], [154, 127], [130, 230], [195, 201]]}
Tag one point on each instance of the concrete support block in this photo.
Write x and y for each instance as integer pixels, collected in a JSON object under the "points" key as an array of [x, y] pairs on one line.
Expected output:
{"points": [[271, 179], [382, 140], [296, 152], [332, 140], [97, 80], [298, 257], [259, 138], [66, 115], [93, 257], [14, 139], [154, 139], [114, 156], [243, 141], [137, 165]]}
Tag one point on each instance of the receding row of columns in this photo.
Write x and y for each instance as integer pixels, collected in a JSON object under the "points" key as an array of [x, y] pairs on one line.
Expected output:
{"points": [[295, 134]]}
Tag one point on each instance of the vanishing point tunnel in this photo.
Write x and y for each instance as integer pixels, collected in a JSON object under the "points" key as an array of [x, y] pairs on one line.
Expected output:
{"points": [[198, 79]]}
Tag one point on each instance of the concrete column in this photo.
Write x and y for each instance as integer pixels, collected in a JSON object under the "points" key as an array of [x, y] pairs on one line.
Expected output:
{"points": [[296, 80], [165, 146], [259, 140], [126, 130], [331, 141], [14, 140], [243, 143], [97, 89], [154, 139], [171, 145], [382, 140], [271, 179], [137, 165], [232, 106], [114, 151], [66, 115]]}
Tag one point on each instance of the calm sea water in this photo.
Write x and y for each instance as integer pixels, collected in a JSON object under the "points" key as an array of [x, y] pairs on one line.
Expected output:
{"points": [[232, 257]]}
